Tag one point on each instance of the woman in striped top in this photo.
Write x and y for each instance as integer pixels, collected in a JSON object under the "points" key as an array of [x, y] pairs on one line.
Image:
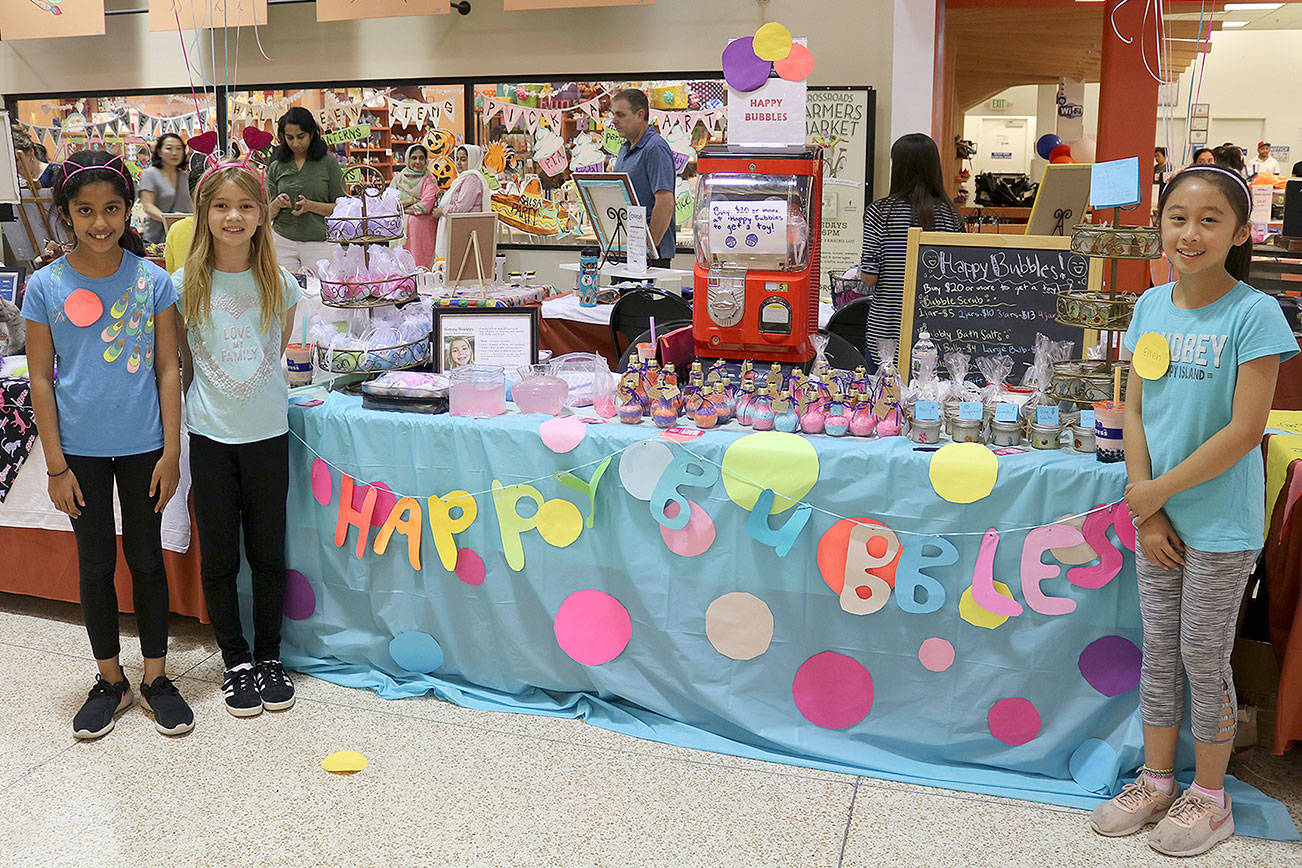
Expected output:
{"points": [[917, 198]]}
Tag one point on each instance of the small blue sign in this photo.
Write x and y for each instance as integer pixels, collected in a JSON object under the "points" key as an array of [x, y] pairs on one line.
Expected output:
{"points": [[926, 411], [1046, 415], [1005, 412], [1087, 419], [971, 410]]}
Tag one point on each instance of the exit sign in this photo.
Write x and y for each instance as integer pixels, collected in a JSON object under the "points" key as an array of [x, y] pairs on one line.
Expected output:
{"points": [[998, 103]]}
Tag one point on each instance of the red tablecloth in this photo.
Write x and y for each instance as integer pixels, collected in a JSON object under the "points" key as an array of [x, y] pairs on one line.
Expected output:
{"points": [[1282, 559], [563, 336]]}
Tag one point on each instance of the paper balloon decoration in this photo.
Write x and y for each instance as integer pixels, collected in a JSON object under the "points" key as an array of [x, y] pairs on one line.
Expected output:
{"points": [[1059, 150], [742, 68], [1046, 143], [748, 62]]}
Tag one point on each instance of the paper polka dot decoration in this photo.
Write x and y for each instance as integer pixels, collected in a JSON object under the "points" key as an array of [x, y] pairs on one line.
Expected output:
{"points": [[1111, 665], [300, 599], [1014, 721], [416, 651], [744, 70], [936, 654], [963, 472], [322, 484], [592, 627], [772, 42], [739, 625], [344, 762], [562, 434], [1093, 765], [832, 690], [470, 567], [969, 611], [796, 66]]}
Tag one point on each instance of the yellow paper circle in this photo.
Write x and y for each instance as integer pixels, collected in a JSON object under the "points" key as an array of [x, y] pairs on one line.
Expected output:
{"points": [[1152, 356], [963, 472], [786, 463], [772, 42], [969, 611], [344, 761], [559, 522]]}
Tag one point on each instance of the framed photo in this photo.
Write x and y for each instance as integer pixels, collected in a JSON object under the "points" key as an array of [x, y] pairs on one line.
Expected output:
{"points": [[1197, 137], [606, 197], [1199, 123], [506, 336], [11, 280], [1202, 109]]}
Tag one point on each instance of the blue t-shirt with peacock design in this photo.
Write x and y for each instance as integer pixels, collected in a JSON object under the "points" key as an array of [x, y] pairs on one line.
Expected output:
{"points": [[103, 330]]}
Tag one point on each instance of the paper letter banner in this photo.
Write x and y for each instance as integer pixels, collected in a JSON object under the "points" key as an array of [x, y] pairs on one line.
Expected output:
{"points": [[41, 19], [347, 10], [524, 5], [163, 14]]}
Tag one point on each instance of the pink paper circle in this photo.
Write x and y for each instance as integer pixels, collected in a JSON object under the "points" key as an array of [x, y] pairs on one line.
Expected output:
{"points": [[470, 567], [83, 307], [562, 433], [592, 627], [936, 654], [742, 68], [1014, 721], [832, 690], [693, 540], [797, 65], [384, 501], [322, 485], [300, 599]]}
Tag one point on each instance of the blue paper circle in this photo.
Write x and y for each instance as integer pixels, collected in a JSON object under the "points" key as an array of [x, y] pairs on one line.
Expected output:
{"points": [[1093, 765], [1046, 143], [416, 651]]}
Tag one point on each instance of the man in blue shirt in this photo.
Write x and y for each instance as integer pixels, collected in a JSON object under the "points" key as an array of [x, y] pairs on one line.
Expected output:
{"points": [[649, 162]]}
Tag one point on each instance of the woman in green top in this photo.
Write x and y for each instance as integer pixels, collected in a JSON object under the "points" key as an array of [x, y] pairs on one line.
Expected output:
{"points": [[303, 182]]}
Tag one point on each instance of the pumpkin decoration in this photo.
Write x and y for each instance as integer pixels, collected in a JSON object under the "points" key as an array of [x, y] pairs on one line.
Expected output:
{"points": [[443, 171], [440, 142], [498, 156]]}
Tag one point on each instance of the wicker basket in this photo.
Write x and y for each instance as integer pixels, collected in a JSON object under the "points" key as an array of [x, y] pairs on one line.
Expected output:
{"points": [[408, 355], [1095, 310], [368, 293], [1086, 382], [1108, 242]]}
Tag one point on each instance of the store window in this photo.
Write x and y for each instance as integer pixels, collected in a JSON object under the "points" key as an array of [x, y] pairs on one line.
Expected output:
{"points": [[536, 135], [127, 125], [364, 125]]}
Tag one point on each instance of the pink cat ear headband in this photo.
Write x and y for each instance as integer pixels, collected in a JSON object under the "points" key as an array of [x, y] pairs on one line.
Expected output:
{"points": [[78, 167], [254, 139]]}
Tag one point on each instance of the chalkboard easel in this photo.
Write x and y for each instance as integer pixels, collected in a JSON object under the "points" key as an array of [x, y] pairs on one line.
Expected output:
{"points": [[991, 294]]}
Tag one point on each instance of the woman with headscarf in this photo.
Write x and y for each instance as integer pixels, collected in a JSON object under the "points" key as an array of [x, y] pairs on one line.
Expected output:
{"points": [[468, 194], [417, 194]]}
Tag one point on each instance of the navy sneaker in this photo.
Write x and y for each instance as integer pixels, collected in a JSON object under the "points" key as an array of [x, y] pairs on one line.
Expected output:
{"points": [[241, 691], [161, 699], [105, 702], [274, 685]]}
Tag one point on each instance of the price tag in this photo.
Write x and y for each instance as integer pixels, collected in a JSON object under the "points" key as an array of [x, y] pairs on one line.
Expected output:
{"points": [[926, 411], [1046, 415], [1005, 412], [1087, 419], [971, 410]]}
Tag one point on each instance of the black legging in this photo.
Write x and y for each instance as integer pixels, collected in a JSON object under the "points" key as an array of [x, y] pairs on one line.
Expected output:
{"points": [[97, 551], [246, 485]]}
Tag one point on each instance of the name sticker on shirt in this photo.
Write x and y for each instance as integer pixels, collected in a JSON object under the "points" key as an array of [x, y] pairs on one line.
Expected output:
{"points": [[1152, 356]]}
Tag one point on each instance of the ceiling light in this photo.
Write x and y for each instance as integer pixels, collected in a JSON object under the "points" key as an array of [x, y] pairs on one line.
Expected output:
{"points": [[1234, 24], [1251, 7]]}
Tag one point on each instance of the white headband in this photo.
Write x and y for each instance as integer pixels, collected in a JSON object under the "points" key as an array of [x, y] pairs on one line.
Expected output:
{"points": [[1243, 185]]}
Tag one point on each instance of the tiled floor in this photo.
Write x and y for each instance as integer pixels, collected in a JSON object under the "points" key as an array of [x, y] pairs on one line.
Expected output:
{"points": [[451, 786]]}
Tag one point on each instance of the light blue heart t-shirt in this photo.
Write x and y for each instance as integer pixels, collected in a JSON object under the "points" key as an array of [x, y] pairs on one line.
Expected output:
{"points": [[239, 393], [1195, 398]]}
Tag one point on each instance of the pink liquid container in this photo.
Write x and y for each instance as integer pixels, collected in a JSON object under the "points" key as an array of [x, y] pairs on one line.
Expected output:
{"points": [[539, 391], [477, 390]]}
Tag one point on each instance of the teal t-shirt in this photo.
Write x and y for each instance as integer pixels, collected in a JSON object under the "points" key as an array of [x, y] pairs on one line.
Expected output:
{"points": [[239, 393], [104, 331], [1195, 398]]}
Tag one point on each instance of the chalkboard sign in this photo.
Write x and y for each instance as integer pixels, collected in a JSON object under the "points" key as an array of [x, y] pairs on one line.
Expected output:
{"points": [[990, 294]]}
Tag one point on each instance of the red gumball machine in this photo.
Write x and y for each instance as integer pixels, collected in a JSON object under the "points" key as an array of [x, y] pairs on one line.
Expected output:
{"points": [[758, 220]]}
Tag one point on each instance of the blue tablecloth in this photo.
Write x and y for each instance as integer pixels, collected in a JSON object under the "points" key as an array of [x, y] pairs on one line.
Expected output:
{"points": [[510, 641]]}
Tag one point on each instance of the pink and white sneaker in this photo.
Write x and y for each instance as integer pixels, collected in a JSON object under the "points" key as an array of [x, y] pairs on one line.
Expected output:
{"points": [[1194, 825], [1138, 804]]}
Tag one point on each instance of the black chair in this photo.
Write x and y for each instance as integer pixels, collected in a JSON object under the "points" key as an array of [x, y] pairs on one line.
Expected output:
{"points": [[851, 324], [840, 353], [662, 328], [632, 314]]}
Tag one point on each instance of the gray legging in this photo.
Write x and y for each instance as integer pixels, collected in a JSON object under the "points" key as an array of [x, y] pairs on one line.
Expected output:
{"points": [[1189, 619]]}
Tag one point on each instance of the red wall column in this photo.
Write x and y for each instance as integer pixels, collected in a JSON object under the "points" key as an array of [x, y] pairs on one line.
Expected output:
{"points": [[1128, 115]]}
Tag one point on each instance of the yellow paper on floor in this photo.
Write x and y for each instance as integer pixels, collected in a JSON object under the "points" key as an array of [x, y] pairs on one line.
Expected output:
{"points": [[344, 762]]}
